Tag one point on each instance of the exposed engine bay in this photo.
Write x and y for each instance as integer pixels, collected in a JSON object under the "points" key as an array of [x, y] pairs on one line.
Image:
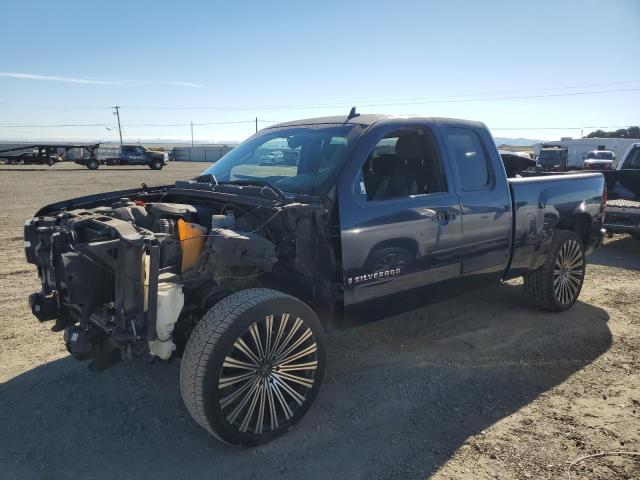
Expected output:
{"points": [[134, 275]]}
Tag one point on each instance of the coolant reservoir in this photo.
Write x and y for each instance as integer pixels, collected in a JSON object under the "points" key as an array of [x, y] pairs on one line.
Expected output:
{"points": [[192, 237], [170, 303]]}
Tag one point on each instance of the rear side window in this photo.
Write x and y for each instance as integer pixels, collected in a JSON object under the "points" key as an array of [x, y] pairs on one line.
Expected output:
{"points": [[470, 158]]}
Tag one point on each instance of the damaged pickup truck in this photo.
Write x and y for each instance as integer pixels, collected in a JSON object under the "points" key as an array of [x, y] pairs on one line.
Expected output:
{"points": [[239, 271]]}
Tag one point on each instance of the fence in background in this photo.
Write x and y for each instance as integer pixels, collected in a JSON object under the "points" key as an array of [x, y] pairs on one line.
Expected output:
{"points": [[204, 153]]}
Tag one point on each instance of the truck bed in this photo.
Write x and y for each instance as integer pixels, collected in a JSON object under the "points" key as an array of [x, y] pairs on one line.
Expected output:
{"points": [[543, 203]]}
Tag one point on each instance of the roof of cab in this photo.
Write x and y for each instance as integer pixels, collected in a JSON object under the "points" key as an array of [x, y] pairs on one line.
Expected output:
{"points": [[335, 120], [370, 119]]}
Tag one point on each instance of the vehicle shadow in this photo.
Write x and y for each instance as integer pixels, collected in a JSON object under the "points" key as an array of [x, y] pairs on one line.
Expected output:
{"points": [[622, 251], [400, 396]]}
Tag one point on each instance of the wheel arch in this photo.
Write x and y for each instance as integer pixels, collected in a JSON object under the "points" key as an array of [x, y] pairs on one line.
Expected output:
{"points": [[405, 243], [578, 223]]}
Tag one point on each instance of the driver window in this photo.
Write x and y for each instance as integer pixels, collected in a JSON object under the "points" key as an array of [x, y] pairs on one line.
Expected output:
{"points": [[402, 164]]}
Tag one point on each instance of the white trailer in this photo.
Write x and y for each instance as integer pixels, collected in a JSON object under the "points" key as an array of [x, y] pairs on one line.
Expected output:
{"points": [[577, 148]]}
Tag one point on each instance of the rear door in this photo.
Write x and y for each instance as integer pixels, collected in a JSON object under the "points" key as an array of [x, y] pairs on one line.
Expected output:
{"points": [[399, 213], [485, 200], [124, 155]]}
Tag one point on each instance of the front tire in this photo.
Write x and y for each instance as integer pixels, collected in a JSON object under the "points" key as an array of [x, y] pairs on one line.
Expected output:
{"points": [[556, 285], [253, 366], [156, 165]]}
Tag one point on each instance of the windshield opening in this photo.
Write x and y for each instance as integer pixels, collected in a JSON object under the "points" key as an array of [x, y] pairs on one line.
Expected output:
{"points": [[550, 153], [295, 159], [600, 155]]}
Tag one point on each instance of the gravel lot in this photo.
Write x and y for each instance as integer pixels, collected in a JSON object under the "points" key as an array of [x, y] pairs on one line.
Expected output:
{"points": [[480, 386]]}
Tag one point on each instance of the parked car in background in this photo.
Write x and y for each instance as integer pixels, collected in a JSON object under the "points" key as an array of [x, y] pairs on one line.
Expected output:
{"points": [[139, 155], [599, 160], [515, 163], [631, 158], [553, 158], [272, 158], [623, 204], [129, 155]]}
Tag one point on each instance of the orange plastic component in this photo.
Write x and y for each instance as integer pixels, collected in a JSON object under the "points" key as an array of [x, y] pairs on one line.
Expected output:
{"points": [[192, 238]]}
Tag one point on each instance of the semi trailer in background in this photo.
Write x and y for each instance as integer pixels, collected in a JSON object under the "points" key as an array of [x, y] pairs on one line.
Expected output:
{"points": [[576, 149]]}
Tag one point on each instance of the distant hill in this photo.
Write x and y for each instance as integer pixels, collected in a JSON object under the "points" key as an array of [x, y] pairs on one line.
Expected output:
{"points": [[516, 141]]}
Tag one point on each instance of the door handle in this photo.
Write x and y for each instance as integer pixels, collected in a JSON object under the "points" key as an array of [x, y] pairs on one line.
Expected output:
{"points": [[445, 216]]}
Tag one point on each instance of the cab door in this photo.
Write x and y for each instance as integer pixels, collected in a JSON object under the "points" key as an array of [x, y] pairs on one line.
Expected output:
{"points": [[485, 200], [400, 217]]}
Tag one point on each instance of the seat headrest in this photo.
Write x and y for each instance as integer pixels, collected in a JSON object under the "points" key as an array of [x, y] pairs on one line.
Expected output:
{"points": [[410, 146], [333, 153], [385, 163]]}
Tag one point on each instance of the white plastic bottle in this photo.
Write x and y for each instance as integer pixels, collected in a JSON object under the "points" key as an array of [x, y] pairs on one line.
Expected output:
{"points": [[170, 303]]}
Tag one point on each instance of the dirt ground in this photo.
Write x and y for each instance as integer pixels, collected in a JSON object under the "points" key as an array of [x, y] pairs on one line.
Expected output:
{"points": [[480, 386]]}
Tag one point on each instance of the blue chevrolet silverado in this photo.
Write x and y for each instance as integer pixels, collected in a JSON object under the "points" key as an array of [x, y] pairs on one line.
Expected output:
{"points": [[240, 270]]}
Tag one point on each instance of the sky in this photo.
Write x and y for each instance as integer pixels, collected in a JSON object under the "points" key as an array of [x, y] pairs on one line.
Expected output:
{"points": [[541, 70]]}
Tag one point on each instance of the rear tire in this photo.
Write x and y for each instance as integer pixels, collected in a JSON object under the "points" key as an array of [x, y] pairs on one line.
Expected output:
{"points": [[556, 285], [92, 164], [253, 366]]}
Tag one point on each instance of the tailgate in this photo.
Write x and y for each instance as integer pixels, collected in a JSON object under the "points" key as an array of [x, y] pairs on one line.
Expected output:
{"points": [[622, 216]]}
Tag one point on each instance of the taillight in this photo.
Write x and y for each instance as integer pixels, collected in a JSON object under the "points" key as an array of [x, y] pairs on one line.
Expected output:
{"points": [[605, 195]]}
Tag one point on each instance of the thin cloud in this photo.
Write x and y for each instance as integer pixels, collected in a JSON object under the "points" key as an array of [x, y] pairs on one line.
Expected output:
{"points": [[87, 81], [179, 83], [56, 78]]}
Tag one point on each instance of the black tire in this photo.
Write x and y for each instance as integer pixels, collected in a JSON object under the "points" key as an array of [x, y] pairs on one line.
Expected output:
{"points": [[219, 341], [556, 285], [156, 165], [92, 164]]}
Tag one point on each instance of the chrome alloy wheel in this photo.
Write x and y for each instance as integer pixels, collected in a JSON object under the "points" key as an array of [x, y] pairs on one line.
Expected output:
{"points": [[568, 272], [268, 374]]}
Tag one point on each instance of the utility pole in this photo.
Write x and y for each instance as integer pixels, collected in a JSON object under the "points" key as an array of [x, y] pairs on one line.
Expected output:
{"points": [[191, 134], [256, 124], [117, 112]]}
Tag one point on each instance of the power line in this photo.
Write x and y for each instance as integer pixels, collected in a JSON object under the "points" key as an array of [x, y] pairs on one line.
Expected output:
{"points": [[109, 125], [493, 96], [273, 121], [558, 128], [372, 103], [194, 123], [57, 125]]}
